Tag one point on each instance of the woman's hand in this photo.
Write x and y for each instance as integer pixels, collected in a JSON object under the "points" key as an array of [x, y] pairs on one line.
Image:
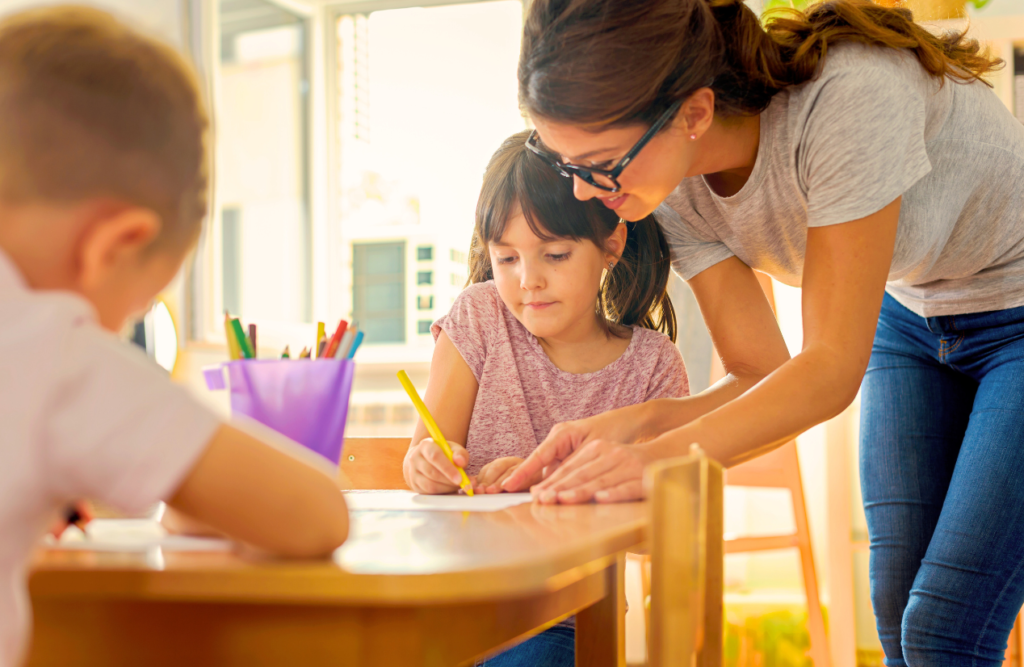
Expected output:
{"points": [[494, 474], [600, 470], [620, 425], [428, 470]]}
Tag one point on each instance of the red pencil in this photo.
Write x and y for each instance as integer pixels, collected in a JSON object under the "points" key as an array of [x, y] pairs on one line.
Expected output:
{"points": [[332, 346]]}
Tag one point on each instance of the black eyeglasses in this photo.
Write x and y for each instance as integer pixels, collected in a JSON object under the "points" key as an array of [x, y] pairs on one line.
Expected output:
{"points": [[603, 179]]}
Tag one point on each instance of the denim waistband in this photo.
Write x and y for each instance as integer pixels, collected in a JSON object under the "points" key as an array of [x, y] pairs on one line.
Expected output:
{"points": [[946, 324]]}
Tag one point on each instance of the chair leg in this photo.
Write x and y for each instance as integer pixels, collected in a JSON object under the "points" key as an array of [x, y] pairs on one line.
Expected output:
{"points": [[815, 619], [1015, 646]]}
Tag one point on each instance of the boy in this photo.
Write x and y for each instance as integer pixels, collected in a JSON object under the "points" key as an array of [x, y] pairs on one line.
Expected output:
{"points": [[102, 192]]}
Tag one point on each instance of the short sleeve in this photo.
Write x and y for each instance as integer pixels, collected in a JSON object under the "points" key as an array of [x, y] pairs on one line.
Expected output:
{"points": [[694, 246], [668, 379], [471, 324], [862, 142], [116, 428]]}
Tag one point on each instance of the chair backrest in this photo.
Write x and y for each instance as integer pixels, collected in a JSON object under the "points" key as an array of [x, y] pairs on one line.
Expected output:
{"points": [[687, 561], [374, 463]]}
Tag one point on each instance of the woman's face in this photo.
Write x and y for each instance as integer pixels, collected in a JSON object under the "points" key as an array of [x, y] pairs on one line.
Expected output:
{"points": [[646, 181]]}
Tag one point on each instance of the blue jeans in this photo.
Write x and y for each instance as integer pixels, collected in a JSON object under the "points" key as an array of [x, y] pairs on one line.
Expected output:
{"points": [[555, 647], [942, 474]]}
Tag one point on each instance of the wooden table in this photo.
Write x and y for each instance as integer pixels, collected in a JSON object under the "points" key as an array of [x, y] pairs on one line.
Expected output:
{"points": [[408, 588]]}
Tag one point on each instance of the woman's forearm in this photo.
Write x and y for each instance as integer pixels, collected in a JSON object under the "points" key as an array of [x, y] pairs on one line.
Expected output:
{"points": [[662, 415], [805, 391]]}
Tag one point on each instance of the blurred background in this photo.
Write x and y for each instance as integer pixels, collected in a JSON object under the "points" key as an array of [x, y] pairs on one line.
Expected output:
{"points": [[349, 142]]}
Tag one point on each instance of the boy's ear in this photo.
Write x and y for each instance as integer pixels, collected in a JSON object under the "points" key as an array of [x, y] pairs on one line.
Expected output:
{"points": [[616, 242], [111, 240]]}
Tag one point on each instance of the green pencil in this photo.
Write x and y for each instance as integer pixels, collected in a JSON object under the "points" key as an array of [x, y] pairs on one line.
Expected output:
{"points": [[243, 340]]}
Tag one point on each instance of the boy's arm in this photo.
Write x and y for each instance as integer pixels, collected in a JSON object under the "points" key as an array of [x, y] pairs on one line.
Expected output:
{"points": [[263, 497], [450, 397]]}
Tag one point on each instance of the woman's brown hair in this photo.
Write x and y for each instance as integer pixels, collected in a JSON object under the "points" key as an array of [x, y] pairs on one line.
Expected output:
{"points": [[634, 292], [617, 62]]}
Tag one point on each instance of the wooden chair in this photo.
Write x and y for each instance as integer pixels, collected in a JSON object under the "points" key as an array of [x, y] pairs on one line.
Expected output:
{"points": [[687, 562], [779, 469], [374, 463], [1015, 647]]}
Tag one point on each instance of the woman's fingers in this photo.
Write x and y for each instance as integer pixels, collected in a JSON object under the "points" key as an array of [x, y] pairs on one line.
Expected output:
{"points": [[555, 479], [596, 468], [630, 490], [560, 443]]}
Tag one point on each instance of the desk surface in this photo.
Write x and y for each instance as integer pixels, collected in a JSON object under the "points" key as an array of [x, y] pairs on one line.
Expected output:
{"points": [[390, 558]]}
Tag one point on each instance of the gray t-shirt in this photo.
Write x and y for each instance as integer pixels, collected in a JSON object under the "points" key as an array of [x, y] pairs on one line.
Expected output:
{"points": [[873, 126]]}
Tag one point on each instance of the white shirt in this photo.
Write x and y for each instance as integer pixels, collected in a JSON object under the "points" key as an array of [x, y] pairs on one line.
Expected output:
{"points": [[82, 415]]}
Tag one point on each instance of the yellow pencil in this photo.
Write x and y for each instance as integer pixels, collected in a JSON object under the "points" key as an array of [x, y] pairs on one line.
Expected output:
{"points": [[432, 428], [321, 334]]}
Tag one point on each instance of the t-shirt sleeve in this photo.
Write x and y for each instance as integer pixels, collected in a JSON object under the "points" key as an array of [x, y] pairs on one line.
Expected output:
{"points": [[693, 244], [117, 429], [669, 377], [471, 324], [862, 144]]}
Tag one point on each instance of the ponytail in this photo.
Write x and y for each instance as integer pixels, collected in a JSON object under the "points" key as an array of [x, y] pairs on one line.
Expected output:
{"points": [[613, 62], [635, 292]]}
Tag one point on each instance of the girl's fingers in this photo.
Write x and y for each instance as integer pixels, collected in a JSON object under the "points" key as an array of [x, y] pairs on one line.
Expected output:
{"points": [[437, 458]]}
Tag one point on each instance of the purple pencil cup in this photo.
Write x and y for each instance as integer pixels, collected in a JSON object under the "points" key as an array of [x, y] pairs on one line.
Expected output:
{"points": [[306, 401]]}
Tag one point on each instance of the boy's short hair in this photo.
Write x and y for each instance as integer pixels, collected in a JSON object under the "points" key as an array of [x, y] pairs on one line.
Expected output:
{"points": [[91, 109]]}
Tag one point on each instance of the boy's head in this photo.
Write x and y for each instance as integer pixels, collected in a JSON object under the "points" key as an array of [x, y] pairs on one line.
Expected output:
{"points": [[103, 175]]}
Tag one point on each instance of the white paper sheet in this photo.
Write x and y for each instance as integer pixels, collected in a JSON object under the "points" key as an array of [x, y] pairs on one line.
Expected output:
{"points": [[132, 535], [407, 501]]}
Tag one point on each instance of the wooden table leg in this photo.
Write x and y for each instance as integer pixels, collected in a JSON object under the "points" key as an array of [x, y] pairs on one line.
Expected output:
{"points": [[601, 628]]}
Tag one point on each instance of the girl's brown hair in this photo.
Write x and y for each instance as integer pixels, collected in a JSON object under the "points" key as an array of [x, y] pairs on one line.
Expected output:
{"points": [[617, 62], [634, 292]]}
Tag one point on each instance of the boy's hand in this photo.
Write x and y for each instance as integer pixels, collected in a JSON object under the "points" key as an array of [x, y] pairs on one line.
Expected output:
{"points": [[497, 471], [428, 470], [82, 508]]}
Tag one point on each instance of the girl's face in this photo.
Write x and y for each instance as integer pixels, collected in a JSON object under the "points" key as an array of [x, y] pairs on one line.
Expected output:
{"points": [[550, 286]]}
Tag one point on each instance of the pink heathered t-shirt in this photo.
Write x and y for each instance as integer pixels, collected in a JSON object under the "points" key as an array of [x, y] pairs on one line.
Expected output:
{"points": [[522, 394]]}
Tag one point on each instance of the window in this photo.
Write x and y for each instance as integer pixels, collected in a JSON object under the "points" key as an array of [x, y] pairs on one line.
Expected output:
{"points": [[458, 257], [425, 302], [231, 262], [262, 171], [425, 253], [457, 280], [423, 327], [378, 298], [425, 278]]}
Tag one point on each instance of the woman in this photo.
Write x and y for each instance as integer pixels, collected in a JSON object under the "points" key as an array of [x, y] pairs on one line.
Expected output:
{"points": [[848, 151]]}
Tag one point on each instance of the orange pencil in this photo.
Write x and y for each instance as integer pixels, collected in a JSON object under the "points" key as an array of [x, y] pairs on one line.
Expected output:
{"points": [[332, 346]]}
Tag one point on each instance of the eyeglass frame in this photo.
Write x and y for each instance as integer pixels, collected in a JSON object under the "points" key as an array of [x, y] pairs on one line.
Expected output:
{"points": [[587, 173]]}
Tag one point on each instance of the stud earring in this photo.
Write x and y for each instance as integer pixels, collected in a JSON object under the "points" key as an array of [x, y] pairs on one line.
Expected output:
{"points": [[611, 265], [693, 136]]}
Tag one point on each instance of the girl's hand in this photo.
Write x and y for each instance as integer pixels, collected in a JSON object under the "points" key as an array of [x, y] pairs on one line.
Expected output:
{"points": [[599, 470], [428, 470], [496, 472]]}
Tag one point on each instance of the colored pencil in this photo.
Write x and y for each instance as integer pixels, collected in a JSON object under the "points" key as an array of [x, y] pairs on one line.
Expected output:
{"points": [[432, 428]]}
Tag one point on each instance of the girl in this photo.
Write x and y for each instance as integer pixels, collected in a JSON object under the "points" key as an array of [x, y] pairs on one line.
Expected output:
{"points": [[851, 152], [566, 316]]}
